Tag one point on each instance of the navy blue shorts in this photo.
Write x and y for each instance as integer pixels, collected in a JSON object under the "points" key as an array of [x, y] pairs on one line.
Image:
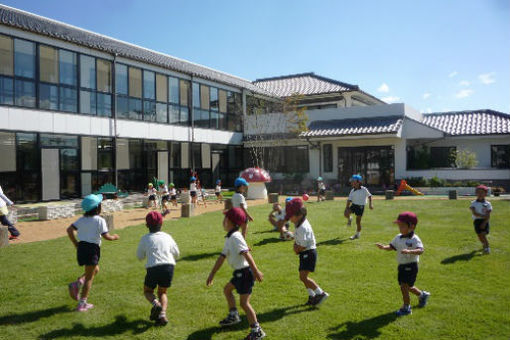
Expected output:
{"points": [[88, 254], [357, 209], [217, 193], [322, 192], [193, 193], [173, 198], [477, 223], [152, 197], [159, 276], [407, 273], [243, 280], [165, 198], [308, 260]]}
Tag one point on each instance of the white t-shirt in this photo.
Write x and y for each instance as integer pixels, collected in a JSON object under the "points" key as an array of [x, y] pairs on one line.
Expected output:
{"points": [[90, 228], [321, 185], [173, 192], [279, 216], [152, 191], [304, 236], [359, 196], [164, 190], [234, 248], [238, 201], [399, 243], [193, 187], [4, 200], [159, 248], [218, 188], [481, 208]]}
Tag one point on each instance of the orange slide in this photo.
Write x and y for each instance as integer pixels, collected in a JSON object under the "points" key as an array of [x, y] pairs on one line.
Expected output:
{"points": [[404, 186]]}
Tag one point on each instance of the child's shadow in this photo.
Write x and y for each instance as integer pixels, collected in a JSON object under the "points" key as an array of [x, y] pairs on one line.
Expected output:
{"points": [[460, 257], [368, 328], [14, 319], [119, 326], [267, 241], [198, 257], [273, 315], [332, 242]]}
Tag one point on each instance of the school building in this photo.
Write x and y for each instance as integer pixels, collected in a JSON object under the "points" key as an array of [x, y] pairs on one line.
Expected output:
{"points": [[79, 109]]}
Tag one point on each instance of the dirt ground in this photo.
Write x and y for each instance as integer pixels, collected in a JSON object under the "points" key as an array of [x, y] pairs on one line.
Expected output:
{"points": [[34, 231]]}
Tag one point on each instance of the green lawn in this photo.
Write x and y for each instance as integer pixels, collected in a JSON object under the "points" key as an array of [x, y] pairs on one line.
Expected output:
{"points": [[470, 293]]}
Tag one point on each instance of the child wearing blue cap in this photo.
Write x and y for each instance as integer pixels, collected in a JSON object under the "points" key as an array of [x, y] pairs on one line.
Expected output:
{"points": [[217, 191], [90, 228], [356, 203], [238, 201], [193, 189]]}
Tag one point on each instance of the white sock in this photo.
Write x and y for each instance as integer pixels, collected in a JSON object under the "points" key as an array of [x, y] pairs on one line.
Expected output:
{"points": [[155, 302], [83, 301], [310, 292], [358, 233], [318, 291]]}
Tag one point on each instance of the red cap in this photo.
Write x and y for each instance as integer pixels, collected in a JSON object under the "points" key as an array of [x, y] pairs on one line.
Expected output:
{"points": [[482, 187], [293, 207], [407, 217], [154, 218], [236, 216]]}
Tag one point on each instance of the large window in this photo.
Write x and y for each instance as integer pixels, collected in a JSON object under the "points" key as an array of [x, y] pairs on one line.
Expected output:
{"points": [[327, 152], [374, 163], [234, 111], [500, 156], [420, 157], [96, 86], [442, 157], [24, 73], [284, 159]]}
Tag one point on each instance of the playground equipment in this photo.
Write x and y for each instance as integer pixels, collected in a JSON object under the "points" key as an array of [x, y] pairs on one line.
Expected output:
{"points": [[404, 186]]}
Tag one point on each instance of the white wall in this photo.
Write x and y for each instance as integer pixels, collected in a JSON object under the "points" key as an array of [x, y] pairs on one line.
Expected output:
{"points": [[32, 120]]}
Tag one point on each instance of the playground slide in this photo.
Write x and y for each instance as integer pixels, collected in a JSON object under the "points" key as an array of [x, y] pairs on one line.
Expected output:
{"points": [[413, 190], [404, 186]]}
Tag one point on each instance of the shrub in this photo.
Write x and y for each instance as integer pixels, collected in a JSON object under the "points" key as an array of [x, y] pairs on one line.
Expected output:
{"points": [[437, 182], [416, 181], [465, 159]]}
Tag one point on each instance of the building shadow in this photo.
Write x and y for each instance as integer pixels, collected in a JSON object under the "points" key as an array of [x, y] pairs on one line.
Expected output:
{"points": [[366, 329], [273, 315], [14, 319], [121, 325], [460, 257], [332, 242], [198, 257], [268, 241]]}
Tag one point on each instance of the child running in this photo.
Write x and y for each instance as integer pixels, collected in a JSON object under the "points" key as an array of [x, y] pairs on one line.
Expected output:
{"points": [[161, 252], [409, 248], [321, 189], [481, 213], [356, 203], [165, 197], [193, 189], [91, 227], [173, 194], [238, 255], [152, 192], [217, 192], [305, 247], [4, 212], [238, 201]]}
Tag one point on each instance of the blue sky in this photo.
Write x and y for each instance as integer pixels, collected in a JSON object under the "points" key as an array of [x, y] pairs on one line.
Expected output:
{"points": [[433, 55]]}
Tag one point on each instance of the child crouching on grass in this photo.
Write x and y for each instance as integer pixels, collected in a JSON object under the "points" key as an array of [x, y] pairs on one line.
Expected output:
{"points": [[305, 247], [481, 213], [91, 227], [161, 251], [409, 248], [238, 255]]}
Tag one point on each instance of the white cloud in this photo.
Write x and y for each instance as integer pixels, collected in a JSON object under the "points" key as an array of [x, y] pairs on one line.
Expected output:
{"points": [[427, 95], [487, 78], [384, 88], [464, 93], [453, 74], [391, 99], [464, 83]]}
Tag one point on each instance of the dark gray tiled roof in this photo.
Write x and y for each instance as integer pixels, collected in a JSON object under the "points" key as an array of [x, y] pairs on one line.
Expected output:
{"points": [[343, 127], [480, 122], [304, 84], [55, 29]]}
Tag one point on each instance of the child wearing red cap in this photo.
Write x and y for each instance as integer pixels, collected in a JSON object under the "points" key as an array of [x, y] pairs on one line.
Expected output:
{"points": [[161, 251], [481, 212], [409, 248], [238, 255], [306, 248]]}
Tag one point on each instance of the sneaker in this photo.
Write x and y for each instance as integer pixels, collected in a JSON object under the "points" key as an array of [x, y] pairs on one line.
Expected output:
{"points": [[424, 297], [74, 290], [155, 311], [319, 299], [349, 222], [162, 320], [13, 238], [404, 311], [487, 251], [353, 237], [256, 335], [310, 300], [83, 307], [230, 320]]}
